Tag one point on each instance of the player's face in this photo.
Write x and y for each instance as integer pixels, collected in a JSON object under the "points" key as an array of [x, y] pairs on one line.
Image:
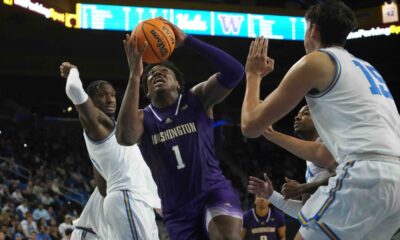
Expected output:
{"points": [[262, 203], [105, 99], [303, 122], [310, 44], [161, 78]]}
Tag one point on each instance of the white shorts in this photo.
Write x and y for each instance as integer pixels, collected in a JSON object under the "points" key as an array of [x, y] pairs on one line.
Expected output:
{"points": [[361, 202], [129, 218], [83, 234]]}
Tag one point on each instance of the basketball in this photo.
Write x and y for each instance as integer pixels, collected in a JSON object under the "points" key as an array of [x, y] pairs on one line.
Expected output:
{"points": [[160, 38]]}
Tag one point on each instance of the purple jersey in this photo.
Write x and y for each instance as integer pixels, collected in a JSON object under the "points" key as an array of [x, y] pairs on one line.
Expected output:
{"points": [[178, 146], [260, 228]]}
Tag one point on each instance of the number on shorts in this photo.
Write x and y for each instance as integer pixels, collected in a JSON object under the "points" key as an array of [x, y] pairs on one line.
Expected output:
{"points": [[378, 85], [263, 237], [178, 157]]}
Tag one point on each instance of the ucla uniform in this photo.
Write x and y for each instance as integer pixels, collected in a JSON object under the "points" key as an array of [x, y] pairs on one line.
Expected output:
{"points": [[131, 191], [263, 228], [178, 146], [91, 224], [358, 122]]}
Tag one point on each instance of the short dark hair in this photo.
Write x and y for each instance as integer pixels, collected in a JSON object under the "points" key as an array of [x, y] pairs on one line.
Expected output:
{"points": [[334, 19], [168, 64], [94, 87]]}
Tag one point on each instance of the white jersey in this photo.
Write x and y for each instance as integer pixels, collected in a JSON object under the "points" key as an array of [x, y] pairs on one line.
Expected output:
{"points": [[92, 216], [356, 114], [123, 168], [315, 173]]}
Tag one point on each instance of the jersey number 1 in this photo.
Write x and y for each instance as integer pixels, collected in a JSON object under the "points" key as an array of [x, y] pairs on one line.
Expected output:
{"points": [[178, 157], [378, 85]]}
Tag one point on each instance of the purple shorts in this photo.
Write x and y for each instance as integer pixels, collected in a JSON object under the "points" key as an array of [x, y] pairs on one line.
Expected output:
{"points": [[190, 221]]}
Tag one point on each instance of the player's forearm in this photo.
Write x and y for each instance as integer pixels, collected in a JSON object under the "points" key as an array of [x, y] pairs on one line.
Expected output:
{"points": [[313, 186], [130, 125], [250, 124], [312, 151], [290, 207], [230, 70]]}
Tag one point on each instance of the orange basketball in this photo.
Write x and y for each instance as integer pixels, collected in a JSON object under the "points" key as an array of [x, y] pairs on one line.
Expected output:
{"points": [[160, 38]]}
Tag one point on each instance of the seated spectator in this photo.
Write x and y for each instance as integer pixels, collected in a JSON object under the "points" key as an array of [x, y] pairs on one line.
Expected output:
{"points": [[43, 234], [18, 236], [17, 196], [40, 212], [18, 231], [23, 208], [65, 225], [47, 199], [53, 230], [29, 225]]}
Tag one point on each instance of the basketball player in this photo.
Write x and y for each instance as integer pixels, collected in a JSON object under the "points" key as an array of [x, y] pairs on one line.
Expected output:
{"points": [[130, 197], [263, 222], [356, 118], [304, 129], [175, 136]]}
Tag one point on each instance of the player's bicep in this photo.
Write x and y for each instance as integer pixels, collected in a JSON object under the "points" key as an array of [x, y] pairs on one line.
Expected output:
{"points": [[210, 92], [282, 232]]}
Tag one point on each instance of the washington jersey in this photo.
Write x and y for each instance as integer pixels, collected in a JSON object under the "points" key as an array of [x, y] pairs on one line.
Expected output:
{"points": [[123, 168], [178, 146], [356, 114], [263, 228]]}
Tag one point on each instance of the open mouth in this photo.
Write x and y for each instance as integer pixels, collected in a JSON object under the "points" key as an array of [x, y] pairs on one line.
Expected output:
{"points": [[158, 80]]}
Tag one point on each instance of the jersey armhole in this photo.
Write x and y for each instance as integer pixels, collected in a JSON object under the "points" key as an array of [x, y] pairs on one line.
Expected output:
{"points": [[314, 93], [103, 140]]}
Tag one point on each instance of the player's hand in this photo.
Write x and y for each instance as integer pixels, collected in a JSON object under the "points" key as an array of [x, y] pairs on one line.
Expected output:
{"points": [[134, 55], [259, 187], [180, 36], [258, 63], [65, 67], [291, 189]]}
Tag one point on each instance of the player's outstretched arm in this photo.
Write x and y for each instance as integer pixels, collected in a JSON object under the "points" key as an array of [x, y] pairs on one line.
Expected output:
{"points": [[315, 70], [265, 189], [293, 189], [130, 118], [96, 124], [313, 151], [229, 71]]}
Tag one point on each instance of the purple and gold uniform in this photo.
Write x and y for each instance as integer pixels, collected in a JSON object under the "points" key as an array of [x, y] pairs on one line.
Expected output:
{"points": [[178, 146], [263, 228]]}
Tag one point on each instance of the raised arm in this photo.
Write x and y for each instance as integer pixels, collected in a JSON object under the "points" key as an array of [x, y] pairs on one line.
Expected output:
{"points": [[229, 71], [264, 188], [130, 119], [313, 151], [315, 70], [96, 124]]}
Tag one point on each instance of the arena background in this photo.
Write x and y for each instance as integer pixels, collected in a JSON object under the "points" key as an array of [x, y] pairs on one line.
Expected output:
{"points": [[41, 145]]}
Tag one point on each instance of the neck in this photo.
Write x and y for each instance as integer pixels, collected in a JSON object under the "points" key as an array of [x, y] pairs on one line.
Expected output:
{"points": [[164, 99], [309, 136], [262, 212]]}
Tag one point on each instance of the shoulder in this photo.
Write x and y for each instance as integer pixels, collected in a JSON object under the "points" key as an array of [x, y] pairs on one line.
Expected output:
{"points": [[315, 61]]}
